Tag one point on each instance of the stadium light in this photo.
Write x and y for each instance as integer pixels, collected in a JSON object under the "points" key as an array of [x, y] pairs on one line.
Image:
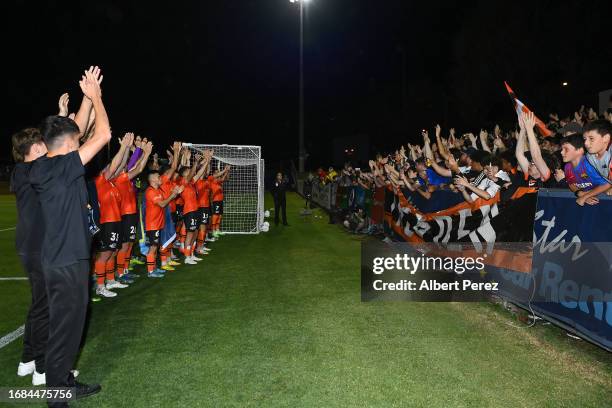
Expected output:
{"points": [[564, 84], [302, 150]]}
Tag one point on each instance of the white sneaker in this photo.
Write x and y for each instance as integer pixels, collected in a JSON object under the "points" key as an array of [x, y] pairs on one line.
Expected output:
{"points": [[115, 285], [41, 378], [195, 258], [103, 291], [26, 368], [190, 261]]}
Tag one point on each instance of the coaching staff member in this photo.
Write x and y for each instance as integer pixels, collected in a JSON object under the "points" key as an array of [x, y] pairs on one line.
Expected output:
{"points": [[59, 180], [279, 187], [28, 146]]}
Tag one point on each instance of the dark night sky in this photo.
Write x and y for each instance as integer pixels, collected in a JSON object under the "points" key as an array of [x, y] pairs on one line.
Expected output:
{"points": [[227, 71]]}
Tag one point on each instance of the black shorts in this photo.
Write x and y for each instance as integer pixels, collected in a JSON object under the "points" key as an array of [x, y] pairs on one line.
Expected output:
{"points": [[175, 217], [192, 220], [218, 207], [109, 237], [129, 225], [179, 211], [152, 237], [205, 211]]}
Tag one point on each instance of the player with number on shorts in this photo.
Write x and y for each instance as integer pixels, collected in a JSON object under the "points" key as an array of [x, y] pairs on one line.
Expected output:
{"points": [[129, 210], [216, 186], [109, 237], [191, 213], [203, 191], [155, 203]]}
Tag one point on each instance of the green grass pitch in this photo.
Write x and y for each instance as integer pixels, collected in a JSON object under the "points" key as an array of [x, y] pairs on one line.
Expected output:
{"points": [[276, 320]]}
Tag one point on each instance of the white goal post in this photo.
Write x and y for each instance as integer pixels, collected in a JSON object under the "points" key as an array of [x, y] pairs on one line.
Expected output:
{"points": [[243, 192]]}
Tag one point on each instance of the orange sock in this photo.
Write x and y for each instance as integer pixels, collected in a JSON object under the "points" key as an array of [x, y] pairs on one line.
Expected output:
{"points": [[151, 260], [120, 263], [99, 268], [127, 257], [201, 235], [110, 268], [183, 235]]}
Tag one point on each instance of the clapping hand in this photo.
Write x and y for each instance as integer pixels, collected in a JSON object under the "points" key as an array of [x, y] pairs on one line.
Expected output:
{"points": [[63, 105]]}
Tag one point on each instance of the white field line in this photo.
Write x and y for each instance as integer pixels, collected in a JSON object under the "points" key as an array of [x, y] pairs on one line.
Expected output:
{"points": [[12, 336]]}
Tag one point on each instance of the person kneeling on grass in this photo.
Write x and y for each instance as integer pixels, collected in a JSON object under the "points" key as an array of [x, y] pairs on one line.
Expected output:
{"points": [[155, 202]]}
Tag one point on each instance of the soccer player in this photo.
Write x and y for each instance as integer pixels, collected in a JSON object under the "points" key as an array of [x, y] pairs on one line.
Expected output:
{"points": [[58, 179], [597, 136], [191, 215], [109, 238], [155, 203], [129, 210], [216, 186], [203, 191], [28, 146], [168, 181]]}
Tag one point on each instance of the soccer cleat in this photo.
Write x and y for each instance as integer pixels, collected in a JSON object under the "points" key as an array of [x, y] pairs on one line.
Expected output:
{"points": [[41, 378], [131, 275], [195, 258], [201, 251], [26, 368], [167, 268], [96, 299], [210, 239], [115, 285], [125, 280], [155, 274], [190, 261], [174, 263], [206, 249], [136, 261], [104, 292]]}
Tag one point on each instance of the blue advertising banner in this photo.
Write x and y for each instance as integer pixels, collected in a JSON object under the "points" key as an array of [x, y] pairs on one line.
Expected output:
{"points": [[571, 277], [572, 259]]}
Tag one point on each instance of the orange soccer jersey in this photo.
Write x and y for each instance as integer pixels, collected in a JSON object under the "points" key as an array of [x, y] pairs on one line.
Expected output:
{"points": [[190, 198], [154, 217], [178, 182], [217, 189], [167, 186], [109, 200], [128, 193], [203, 188]]}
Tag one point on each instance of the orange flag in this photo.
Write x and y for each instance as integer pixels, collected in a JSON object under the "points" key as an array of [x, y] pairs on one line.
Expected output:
{"points": [[520, 107]]}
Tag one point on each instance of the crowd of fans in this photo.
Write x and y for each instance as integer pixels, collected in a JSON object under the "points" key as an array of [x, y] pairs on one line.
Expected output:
{"points": [[576, 156], [79, 217]]}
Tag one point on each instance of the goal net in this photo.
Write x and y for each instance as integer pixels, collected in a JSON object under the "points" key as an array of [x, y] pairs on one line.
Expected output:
{"points": [[243, 191]]}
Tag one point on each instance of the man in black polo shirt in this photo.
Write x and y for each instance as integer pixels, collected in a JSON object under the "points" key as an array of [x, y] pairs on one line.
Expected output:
{"points": [[58, 178], [28, 146]]}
